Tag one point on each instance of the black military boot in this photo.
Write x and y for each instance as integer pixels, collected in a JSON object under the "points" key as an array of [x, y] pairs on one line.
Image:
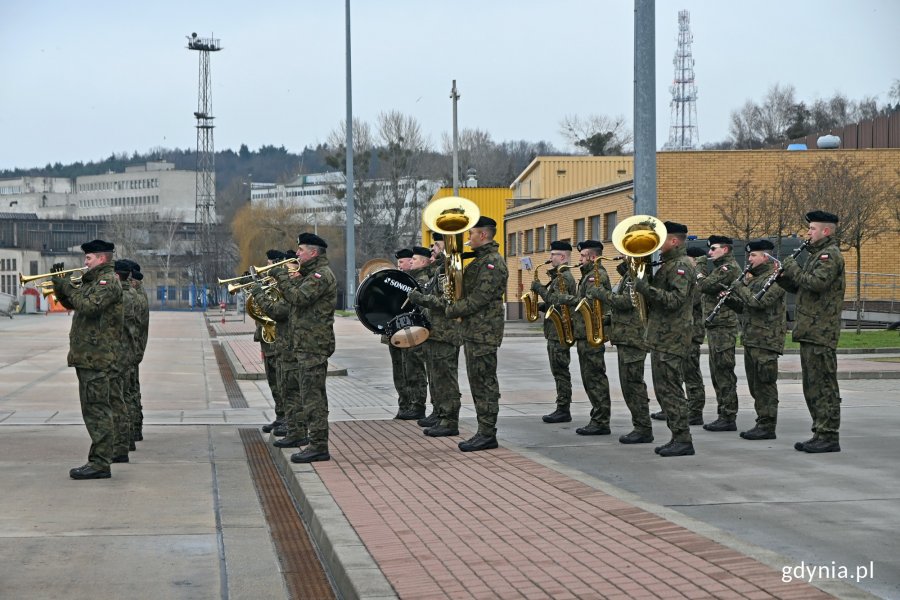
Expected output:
{"points": [[122, 458], [721, 424], [668, 444], [659, 416], [441, 431], [411, 414], [558, 416], [280, 431], [429, 421], [696, 420], [593, 429], [678, 449], [131, 446], [291, 443], [270, 426], [478, 442], [758, 434], [88, 472], [310, 455], [139, 436], [636, 437], [818, 446]]}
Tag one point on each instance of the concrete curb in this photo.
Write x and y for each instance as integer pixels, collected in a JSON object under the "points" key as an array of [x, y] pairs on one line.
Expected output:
{"points": [[353, 571], [240, 374], [843, 375]]}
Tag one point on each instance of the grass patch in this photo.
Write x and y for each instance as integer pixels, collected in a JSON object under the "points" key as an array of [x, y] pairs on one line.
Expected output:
{"points": [[345, 313], [866, 339]]}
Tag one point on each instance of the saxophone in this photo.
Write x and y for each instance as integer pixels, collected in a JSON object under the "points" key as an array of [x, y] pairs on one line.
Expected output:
{"points": [[530, 299], [562, 317], [592, 313]]}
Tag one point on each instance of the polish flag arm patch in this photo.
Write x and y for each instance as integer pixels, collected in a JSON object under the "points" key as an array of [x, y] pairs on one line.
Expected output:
{"points": [[680, 271], [823, 257], [317, 275], [490, 266]]}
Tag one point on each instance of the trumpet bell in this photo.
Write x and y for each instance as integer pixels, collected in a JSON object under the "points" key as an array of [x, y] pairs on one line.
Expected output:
{"points": [[640, 235], [451, 215]]}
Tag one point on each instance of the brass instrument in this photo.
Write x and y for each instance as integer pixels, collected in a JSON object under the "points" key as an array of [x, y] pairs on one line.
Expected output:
{"points": [[530, 299], [373, 266], [24, 279], [592, 312], [562, 317], [452, 216], [254, 271], [638, 237], [233, 279], [257, 314], [234, 288]]}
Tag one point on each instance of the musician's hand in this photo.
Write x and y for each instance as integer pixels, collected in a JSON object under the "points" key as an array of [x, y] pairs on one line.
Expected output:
{"points": [[57, 267], [536, 286], [641, 285], [723, 293], [747, 277], [789, 266], [622, 268], [416, 297]]}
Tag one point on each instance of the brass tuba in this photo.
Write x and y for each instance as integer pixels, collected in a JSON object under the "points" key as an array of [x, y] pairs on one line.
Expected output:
{"points": [[638, 237], [530, 299], [452, 216]]}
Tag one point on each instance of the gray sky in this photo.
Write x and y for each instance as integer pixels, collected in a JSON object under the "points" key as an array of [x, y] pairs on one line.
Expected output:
{"points": [[81, 80]]}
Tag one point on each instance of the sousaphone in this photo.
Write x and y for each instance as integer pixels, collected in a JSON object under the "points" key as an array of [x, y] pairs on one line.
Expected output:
{"points": [[637, 238]]}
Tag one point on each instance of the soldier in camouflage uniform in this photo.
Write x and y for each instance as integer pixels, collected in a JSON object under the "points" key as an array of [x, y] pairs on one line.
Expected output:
{"points": [[591, 358], [94, 344], [133, 384], [404, 262], [626, 332], [293, 429], [123, 412], [561, 281], [312, 294], [763, 325], [481, 311], [430, 286], [721, 333], [415, 358], [668, 334], [819, 285], [270, 354], [442, 351]]}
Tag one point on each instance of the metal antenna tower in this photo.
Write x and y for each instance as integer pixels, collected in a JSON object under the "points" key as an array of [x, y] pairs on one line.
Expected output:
{"points": [[205, 199], [683, 133]]}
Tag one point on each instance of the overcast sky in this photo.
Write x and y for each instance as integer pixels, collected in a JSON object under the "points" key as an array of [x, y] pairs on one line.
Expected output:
{"points": [[81, 80]]}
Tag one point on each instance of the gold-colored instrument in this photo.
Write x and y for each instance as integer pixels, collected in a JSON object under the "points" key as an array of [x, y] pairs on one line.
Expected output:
{"points": [[267, 323], [562, 317], [266, 282], [233, 279], [25, 279], [638, 237], [373, 266], [257, 270], [592, 312], [530, 299], [452, 216]]}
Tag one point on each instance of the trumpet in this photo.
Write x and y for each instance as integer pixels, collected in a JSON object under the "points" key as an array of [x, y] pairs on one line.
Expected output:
{"points": [[234, 288], [233, 279], [530, 299], [24, 279], [254, 271]]}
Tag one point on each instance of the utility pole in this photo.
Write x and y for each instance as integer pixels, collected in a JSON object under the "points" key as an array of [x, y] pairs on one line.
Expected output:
{"points": [[645, 107], [351, 208], [454, 95]]}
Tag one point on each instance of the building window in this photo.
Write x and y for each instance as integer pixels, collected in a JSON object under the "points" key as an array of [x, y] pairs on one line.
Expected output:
{"points": [[595, 228], [529, 241], [511, 244], [540, 236], [611, 221], [579, 230], [552, 233]]}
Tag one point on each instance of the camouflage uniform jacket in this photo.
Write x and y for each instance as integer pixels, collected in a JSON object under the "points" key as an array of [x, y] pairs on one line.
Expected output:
{"points": [[669, 295], [819, 285], [312, 298], [131, 333], [95, 337], [586, 286], [699, 316], [481, 308], [143, 313], [276, 308], [561, 282], [625, 326], [764, 321], [723, 272], [443, 329]]}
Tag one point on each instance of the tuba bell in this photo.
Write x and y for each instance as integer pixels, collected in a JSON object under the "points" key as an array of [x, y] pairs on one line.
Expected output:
{"points": [[637, 238], [452, 216]]}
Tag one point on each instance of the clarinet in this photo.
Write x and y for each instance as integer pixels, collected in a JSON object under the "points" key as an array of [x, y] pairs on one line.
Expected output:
{"points": [[778, 269], [724, 297]]}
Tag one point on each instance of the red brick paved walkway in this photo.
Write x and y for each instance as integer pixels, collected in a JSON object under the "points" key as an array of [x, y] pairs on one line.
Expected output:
{"points": [[444, 524]]}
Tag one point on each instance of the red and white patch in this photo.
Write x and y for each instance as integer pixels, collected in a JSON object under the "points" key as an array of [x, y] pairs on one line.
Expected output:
{"points": [[680, 271], [102, 282], [591, 279], [725, 268], [823, 257], [317, 275], [490, 266]]}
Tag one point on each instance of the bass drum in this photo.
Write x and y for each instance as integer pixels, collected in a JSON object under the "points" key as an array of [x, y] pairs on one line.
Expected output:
{"points": [[381, 296]]}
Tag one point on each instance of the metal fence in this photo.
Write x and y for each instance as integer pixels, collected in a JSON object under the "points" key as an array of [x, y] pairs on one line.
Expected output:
{"points": [[880, 292]]}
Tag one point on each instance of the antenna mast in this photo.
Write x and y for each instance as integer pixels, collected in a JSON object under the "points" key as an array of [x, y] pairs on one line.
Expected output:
{"points": [[683, 133]]}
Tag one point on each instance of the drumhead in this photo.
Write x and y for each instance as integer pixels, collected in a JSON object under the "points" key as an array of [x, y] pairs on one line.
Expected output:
{"points": [[381, 296]]}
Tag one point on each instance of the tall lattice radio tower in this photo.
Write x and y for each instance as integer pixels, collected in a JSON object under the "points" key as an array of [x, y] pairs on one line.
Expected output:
{"points": [[205, 199], [683, 133]]}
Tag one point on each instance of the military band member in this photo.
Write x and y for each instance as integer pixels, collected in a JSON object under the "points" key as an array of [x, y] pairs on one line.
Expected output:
{"points": [[669, 304], [94, 345], [433, 270], [558, 350], [404, 262], [591, 358], [414, 358], [721, 333], [119, 396], [133, 393], [270, 353], [312, 294], [693, 376], [819, 285], [763, 325], [482, 314]]}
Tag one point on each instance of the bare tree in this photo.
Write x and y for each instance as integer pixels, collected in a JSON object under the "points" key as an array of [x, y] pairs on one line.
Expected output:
{"points": [[597, 135], [258, 228], [779, 204], [755, 125], [743, 214]]}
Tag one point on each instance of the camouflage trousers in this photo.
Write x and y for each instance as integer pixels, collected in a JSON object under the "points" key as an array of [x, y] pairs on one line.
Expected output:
{"points": [[292, 404], [443, 370], [596, 383], [634, 389], [399, 377], [93, 390], [820, 388], [667, 378], [416, 378], [312, 372], [560, 358], [120, 413], [761, 366], [722, 341], [133, 400], [481, 366], [270, 364], [693, 382]]}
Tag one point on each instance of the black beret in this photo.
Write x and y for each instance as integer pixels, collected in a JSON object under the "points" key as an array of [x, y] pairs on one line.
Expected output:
{"points": [[137, 275], [757, 245], [719, 239], [560, 245], [820, 216], [274, 254], [310, 239], [135, 266], [403, 253], [673, 227], [97, 246], [589, 244], [437, 237], [421, 251], [123, 265], [289, 254], [484, 221], [696, 251]]}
